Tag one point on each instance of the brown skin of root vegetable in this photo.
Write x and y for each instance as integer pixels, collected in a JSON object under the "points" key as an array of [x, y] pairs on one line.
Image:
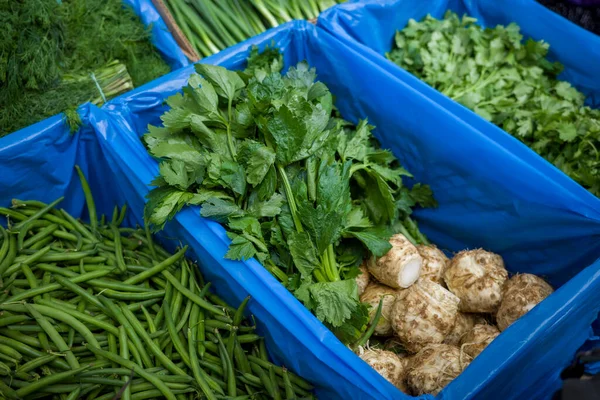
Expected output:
{"points": [[477, 278], [432, 368], [387, 364], [478, 338], [400, 267], [362, 280], [463, 324], [521, 293], [434, 265], [372, 295], [422, 314]]}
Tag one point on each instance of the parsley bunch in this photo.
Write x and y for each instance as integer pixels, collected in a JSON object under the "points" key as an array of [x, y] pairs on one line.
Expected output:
{"points": [[508, 82], [305, 192]]}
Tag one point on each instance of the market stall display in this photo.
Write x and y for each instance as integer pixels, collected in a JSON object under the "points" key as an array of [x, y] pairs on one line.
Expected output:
{"points": [[304, 215]]}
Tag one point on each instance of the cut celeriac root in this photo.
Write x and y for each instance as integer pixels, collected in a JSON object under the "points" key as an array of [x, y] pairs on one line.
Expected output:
{"points": [[477, 278], [422, 314], [477, 339], [372, 295], [521, 293], [432, 368], [400, 267], [434, 265]]}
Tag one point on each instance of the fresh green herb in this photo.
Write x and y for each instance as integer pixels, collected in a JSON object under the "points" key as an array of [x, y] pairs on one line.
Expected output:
{"points": [[57, 55], [306, 193], [509, 82]]}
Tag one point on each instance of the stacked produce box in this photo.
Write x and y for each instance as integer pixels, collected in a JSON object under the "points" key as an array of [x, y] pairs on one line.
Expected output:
{"points": [[294, 173]]}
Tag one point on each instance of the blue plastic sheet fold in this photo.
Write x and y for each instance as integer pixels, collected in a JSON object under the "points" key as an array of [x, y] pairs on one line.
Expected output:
{"points": [[491, 194], [161, 36]]}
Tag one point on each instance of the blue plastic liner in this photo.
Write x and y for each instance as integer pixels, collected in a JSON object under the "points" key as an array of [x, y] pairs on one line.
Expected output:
{"points": [[486, 200], [484, 190], [161, 36]]}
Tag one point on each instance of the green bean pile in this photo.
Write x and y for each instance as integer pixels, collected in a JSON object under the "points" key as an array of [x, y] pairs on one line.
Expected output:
{"points": [[100, 311]]}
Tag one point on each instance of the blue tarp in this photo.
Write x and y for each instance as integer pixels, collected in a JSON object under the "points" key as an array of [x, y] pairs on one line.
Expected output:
{"points": [[161, 36], [484, 189]]}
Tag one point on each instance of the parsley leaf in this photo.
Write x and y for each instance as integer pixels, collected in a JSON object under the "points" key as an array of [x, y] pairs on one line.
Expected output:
{"points": [[510, 83]]}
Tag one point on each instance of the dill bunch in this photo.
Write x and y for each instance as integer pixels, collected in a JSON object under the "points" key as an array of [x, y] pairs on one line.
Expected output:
{"points": [[49, 49]]}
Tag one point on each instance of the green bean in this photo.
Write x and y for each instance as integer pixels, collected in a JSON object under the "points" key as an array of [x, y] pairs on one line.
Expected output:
{"points": [[219, 301], [63, 256], [59, 389], [212, 367], [101, 283], [10, 256], [49, 380], [56, 286], [60, 315], [78, 226], [201, 334], [89, 199], [42, 234], [5, 242], [273, 379], [248, 338], [10, 352], [115, 215], [112, 344], [158, 268], [149, 240], [193, 297], [177, 296], [122, 215], [183, 320], [164, 360], [152, 378], [241, 358], [239, 314], [131, 296], [174, 337], [41, 243], [25, 340], [155, 393], [67, 236], [262, 350], [199, 374], [37, 214], [8, 392], [13, 319], [227, 366], [5, 369], [12, 213], [264, 378], [80, 308], [279, 370], [150, 321], [124, 352], [118, 250], [74, 394], [131, 332], [214, 324], [51, 331], [73, 287], [9, 359]]}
